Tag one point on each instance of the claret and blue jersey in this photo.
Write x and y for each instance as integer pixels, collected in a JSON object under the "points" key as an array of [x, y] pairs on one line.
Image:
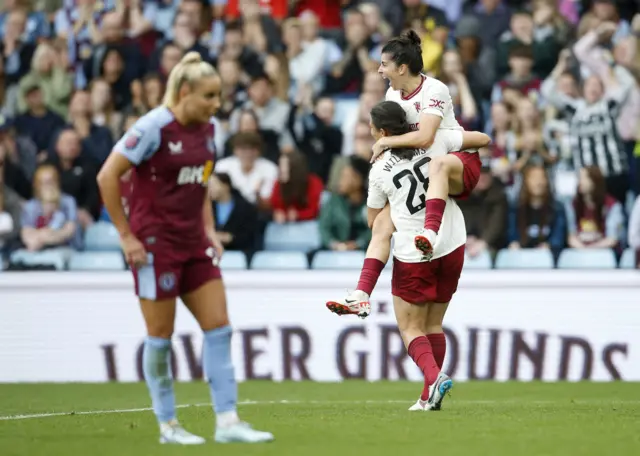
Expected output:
{"points": [[173, 163]]}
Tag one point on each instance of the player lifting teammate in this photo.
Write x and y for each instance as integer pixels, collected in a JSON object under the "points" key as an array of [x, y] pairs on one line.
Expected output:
{"points": [[428, 109], [171, 244], [421, 288]]}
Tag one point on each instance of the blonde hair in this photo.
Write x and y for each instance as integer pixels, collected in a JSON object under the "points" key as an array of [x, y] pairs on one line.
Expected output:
{"points": [[189, 70]]}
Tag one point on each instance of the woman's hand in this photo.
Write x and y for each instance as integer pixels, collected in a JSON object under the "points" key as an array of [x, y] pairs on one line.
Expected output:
{"points": [[134, 251]]}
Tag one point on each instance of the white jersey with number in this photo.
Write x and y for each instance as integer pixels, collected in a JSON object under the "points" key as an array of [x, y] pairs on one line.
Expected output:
{"points": [[401, 183], [431, 97]]}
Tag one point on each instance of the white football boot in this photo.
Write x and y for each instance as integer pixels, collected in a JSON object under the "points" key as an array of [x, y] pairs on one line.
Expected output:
{"points": [[172, 432], [357, 303], [241, 432], [439, 390]]}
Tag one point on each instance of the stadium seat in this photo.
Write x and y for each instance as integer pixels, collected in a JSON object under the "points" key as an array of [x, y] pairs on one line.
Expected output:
{"points": [[482, 261], [233, 261], [300, 236], [279, 260], [524, 259], [628, 260], [587, 259], [102, 236], [96, 261], [52, 257], [338, 260]]}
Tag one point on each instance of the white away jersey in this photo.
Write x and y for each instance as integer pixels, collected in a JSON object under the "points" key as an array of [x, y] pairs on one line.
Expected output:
{"points": [[431, 97], [401, 182]]}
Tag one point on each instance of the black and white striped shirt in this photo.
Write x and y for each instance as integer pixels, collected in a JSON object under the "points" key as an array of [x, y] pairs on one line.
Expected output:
{"points": [[593, 134]]}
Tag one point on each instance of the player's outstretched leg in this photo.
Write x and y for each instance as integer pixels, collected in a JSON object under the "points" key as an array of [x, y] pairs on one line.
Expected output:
{"points": [[357, 302], [156, 366], [445, 177], [208, 305]]}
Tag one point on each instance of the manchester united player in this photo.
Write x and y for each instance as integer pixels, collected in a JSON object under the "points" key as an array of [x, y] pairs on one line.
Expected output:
{"points": [[171, 245]]}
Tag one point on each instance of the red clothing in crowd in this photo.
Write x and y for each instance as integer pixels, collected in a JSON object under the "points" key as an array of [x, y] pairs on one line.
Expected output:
{"points": [[312, 210]]}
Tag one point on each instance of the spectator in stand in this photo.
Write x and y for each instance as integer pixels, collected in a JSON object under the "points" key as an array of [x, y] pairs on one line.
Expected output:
{"points": [[314, 134], [549, 22], [343, 217], [77, 176], [495, 17], [96, 140], [273, 114], [104, 113], [431, 24], [594, 55], [169, 56], [545, 48], [592, 131], [485, 214], [326, 50], [520, 79], [6, 105], [306, 65], [607, 11], [634, 230], [355, 117], [50, 218], [527, 144], [79, 24], [38, 122], [236, 218], [248, 122], [184, 36], [464, 103], [478, 60], [16, 54], [252, 175], [594, 219], [233, 92], [37, 26], [296, 193], [234, 48], [49, 74], [537, 220], [259, 27], [276, 67], [10, 208], [346, 74], [20, 158]]}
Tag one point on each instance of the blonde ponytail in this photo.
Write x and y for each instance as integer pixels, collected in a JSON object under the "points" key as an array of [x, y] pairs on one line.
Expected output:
{"points": [[189, 70]]}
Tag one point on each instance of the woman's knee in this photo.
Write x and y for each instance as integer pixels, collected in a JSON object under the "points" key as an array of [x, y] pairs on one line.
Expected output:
{"points": [[160, 329]]}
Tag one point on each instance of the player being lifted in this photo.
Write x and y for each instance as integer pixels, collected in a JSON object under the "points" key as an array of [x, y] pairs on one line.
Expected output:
{"points": [[428, 109], [421, 288]]}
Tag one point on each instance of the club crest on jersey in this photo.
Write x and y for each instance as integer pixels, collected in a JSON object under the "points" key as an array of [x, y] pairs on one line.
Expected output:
{"points": [[417, 106], [195, 174], [133, 139], [167, 281]]}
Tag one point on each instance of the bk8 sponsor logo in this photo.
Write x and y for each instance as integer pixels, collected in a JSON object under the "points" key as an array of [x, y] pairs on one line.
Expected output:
{"points": [[195, 174]]}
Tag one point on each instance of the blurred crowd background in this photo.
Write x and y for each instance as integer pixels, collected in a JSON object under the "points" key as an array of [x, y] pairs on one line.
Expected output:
{"points": [[554, 82]]}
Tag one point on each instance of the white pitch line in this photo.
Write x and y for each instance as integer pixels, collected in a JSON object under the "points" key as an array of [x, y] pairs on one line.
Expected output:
{"points": [[301, 402]]}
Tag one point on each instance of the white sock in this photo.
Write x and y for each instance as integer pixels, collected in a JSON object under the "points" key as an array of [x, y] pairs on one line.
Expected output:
{"points": [[431, 235], [361, 295], [226, 419]]}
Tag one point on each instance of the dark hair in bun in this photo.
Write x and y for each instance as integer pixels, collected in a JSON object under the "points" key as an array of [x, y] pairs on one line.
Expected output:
{"points": [[406, 50]]}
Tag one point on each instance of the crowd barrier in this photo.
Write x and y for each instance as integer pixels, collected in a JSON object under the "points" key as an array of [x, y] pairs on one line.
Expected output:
{"points": [[501, 325]]}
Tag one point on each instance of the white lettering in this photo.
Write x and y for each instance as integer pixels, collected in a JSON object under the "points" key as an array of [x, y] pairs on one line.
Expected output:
{"points": [[190, 175]]}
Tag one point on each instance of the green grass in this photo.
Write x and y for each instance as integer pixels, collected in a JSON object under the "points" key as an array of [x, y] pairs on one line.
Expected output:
{"points": [[352, 418]]}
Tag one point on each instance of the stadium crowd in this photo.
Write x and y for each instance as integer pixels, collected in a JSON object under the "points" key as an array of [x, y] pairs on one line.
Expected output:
{"points": [[556, 83]]}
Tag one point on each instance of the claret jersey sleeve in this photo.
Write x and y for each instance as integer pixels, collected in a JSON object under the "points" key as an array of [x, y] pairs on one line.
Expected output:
{"points": [[143, 138]]}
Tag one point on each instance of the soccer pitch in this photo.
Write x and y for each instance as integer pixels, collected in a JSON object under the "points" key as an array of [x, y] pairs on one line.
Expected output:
{"points": [[351, 418]]}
